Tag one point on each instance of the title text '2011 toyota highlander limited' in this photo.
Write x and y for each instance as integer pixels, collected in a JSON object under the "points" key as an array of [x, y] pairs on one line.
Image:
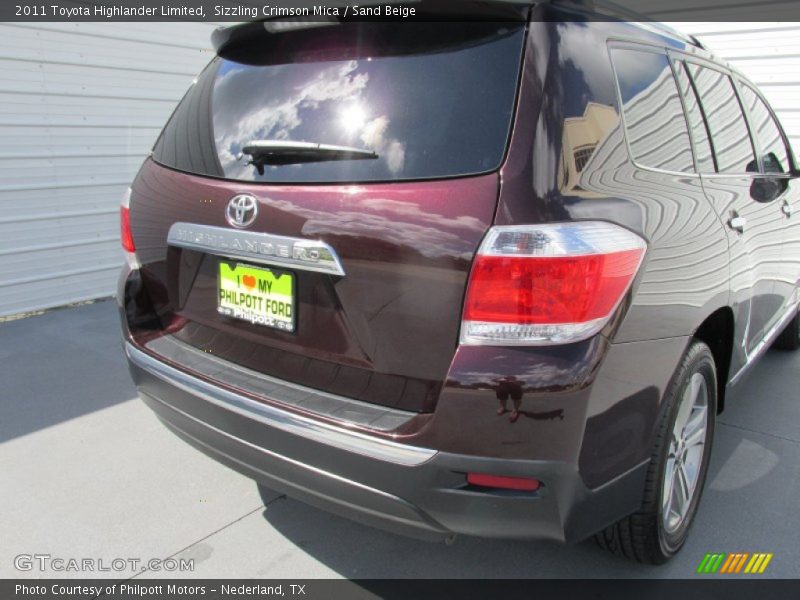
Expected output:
{"points": [[489, 277]]}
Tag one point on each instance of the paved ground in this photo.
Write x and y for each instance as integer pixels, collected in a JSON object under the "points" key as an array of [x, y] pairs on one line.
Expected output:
{"points": [[86, 471]]}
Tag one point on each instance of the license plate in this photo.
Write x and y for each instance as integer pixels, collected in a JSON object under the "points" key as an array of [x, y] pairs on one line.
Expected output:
{"points": [[258, 295]]}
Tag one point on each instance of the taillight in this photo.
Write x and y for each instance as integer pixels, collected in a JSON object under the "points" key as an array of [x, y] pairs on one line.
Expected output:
{"points": [[126, 237], [548, 284], [125, 229]]}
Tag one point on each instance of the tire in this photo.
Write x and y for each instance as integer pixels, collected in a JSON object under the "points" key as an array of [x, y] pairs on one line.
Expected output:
{"points": [[789, 339], [653, 534]]}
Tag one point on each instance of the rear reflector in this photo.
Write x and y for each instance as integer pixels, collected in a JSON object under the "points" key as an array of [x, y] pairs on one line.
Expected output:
{"points": [[548, 284], [499, 482]]}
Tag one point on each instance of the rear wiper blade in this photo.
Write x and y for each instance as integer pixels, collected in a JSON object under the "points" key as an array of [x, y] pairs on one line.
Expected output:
{"points": [[283, 152]]}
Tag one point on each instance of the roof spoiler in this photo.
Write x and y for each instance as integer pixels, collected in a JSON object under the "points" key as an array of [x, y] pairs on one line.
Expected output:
{"points": [[226, 38], [232, 37]]}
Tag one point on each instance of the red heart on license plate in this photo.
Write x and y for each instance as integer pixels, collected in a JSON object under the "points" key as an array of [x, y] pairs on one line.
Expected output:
{"points": [[249, 281]]}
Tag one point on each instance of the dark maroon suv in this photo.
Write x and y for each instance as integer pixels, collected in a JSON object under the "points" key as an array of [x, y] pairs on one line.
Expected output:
{"points": [[490, 277]]}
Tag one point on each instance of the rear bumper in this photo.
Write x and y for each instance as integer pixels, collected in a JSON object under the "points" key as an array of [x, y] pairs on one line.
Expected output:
{"points": [[416, 491]]}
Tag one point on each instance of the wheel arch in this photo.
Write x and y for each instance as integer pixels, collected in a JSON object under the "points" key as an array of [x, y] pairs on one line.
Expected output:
{"points": [[717, 331]]}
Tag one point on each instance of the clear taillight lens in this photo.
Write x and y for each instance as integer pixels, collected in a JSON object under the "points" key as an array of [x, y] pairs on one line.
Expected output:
{"points": [[548, 284]]}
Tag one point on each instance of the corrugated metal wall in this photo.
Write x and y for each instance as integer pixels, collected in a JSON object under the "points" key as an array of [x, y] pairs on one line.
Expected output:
{"points": [[80, 106]]}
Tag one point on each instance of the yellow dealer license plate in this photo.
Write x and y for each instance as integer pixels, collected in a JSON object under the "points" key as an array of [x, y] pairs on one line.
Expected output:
{"points": [[260, 296]]}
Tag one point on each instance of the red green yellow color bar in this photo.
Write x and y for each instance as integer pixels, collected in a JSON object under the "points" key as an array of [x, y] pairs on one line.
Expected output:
{"points": [[735, 563]]}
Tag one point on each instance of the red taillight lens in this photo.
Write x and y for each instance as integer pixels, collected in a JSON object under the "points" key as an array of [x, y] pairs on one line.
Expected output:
{"points": [[548, 283], [548, 290], [125, 229], [522, 484]]}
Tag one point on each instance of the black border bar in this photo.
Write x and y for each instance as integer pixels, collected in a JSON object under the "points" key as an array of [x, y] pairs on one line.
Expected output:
{"points": [[388, 10], [699, 588]]}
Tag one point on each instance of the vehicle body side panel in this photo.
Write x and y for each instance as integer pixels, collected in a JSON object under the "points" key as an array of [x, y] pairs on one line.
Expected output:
{"points": [[685, 277]]}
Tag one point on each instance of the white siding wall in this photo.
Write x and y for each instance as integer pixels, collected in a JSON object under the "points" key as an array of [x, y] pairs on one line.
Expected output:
{"points": [[80, 106], [767, 53]]}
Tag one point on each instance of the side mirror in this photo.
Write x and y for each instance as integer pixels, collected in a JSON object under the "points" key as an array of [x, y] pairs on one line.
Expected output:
{"points": [[772, 164], [767, 189]]}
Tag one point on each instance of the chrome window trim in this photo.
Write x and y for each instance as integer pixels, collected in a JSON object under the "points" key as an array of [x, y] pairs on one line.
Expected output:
{"points": [[317, 431], [687, 55]]}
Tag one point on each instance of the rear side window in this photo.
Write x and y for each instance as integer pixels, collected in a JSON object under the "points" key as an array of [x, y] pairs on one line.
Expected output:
{"points": [[431, 100], [654, 121], [729, 134], [697, 125], [773, 150]]}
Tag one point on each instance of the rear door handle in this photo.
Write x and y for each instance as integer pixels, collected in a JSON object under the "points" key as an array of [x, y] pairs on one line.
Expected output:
{"points": [[787, 208], [737, 223]]}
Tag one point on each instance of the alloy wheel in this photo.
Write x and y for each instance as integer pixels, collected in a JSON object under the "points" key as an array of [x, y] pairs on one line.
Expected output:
{"points": [[686, 450]]}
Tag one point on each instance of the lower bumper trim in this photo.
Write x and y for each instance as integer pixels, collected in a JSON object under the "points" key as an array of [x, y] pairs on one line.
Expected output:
{"points": [[317, 431], [429, 500], [387, 510]]}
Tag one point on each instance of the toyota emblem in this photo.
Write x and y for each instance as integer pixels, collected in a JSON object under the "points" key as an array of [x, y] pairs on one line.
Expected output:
{"points": [[242, 210]]}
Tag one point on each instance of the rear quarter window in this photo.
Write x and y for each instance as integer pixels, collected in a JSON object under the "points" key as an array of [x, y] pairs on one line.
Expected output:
{"points": [[655, 124]]}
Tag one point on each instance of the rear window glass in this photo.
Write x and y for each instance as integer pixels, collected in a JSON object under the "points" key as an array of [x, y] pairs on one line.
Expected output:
{"points": [[425, 111]]}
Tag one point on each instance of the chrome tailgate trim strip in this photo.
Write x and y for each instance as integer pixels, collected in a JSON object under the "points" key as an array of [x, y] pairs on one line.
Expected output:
{"points": [[323, 433], [253, 246]]}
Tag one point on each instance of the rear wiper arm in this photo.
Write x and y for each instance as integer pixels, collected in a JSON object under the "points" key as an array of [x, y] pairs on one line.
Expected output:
{"points": [[282, 152]]}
